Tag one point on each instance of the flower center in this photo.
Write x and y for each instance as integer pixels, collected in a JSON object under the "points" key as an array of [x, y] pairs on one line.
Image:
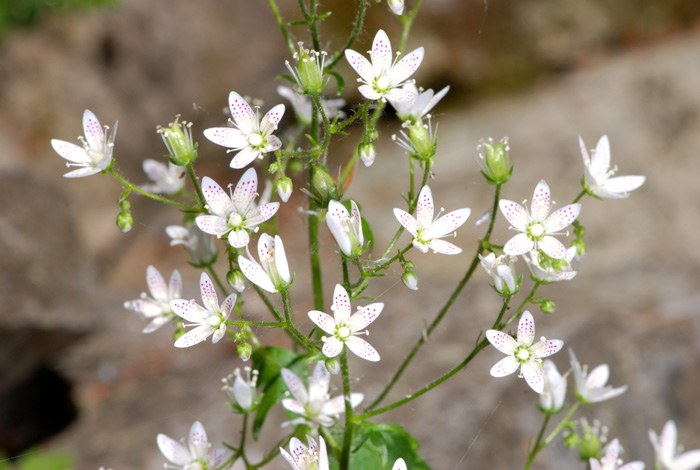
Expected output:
{"points": [[255, 140], [235, 220], [196, 465], [383, 83], [536, 230], [523, 354], [343, 332], [214, 320]]}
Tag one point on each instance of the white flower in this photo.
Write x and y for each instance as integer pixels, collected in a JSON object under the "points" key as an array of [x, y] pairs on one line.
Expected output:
{"points": [[591, 388], [523, 353], [544, 270], [396, 6], [417, 107], [501, 271], [611, 460], [537, 227], [303, 108], [250, 137], [199, 245], [344, 328], [241, 391], [157, 307], [383, 77], [668, 456], [196, 455], [168, 179], [316, 405], [426, 231], [96, 153], [346, 227], [235, 215], [301, 457], [274, 274], [597, 173], [554, 392], [211, 318]]}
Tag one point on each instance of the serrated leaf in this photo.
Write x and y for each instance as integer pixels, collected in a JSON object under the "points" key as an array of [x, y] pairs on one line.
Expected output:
{"points": [[268, 361]]}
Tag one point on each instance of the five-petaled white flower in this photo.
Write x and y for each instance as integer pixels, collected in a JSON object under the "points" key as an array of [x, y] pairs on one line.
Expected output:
{"points": [[196, 455], [274, 274], [545, 270], [554, 392], [157, 307], [241, 391], [668, 455], [316, 405], [249, 137], [346, 227], [426, 231], [301, 457], [211, 318], [235, 214], [167, 178], [597, 173], [95, 155], [537, 227], [420, 105], [523, 353], [611, 460], [591, 388], [383, 77], [344, 328], [199, 245], [501, 271]]}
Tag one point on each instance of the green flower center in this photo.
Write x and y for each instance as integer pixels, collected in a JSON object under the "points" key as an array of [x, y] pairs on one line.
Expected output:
{"points": [[523, 354], [343, 333]]}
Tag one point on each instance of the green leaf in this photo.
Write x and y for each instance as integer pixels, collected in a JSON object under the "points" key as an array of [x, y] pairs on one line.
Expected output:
{"points": [[268, 361], [379, 445], [40, 460]]}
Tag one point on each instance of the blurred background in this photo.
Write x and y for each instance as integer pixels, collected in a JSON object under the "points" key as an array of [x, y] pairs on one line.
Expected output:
{"points": [[78, 375]]}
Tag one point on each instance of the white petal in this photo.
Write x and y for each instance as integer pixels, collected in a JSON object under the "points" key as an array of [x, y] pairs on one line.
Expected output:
{"points": [[238, 238], [448, 223], [293, 406], [323, 321], [552, 247], [407, 220], [369, 92], [209, 298], [381, 53], [216, 457], [155, 170], [425, 208], [219, 333], [261, 213], [407, 66], [335, 406], [362, 348], [295, 385], [242, 113], [217, 199], [598, 377], [688, 460], [297, 448], [227, 305], [156, 284], [271, 119], [669, 439], [515, 214], [175, 285], [357, 224], [243, 393], [360, 64], [433, 101], [322, 455], [292, 461], [501, 341], [94, 133], [193, 337], [562, 218], [155, 324], [173, 450], [505, 366], [189, 310], [255, 274], [518, 245], [620, 186], [319, 383], [70, 152], [226, 137], [273, 143], [281, 260], [443, 247], [244, 158], [212, 224], [82, 172], [547, 348], [198, 440], [337, 212], [600, 160], [341, 304], [399, 95], [534, 377], [332, 347], [364, 316], [245, 191], [399, 465], [541, 201], [526, 329]]}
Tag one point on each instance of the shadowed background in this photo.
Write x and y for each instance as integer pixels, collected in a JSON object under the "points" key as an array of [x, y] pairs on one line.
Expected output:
{"points": [[542, 72]]}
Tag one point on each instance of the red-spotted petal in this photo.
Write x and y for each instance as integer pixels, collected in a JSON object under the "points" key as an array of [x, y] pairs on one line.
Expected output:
{"points": [[562, 218], [256, 274], [448, 223], [319, 383], [518, 245], [175, 285], [189, 310], [444, 247], [94, 133], [620, 186], [271, 119], [332, 346], [227, 305], [552, 247], [364, 316], [156, 284], [547, 348], [400, 95], [281, 260], [501, 341], [242, 113], [238, 238], [532, 371], [87, 171], [381, 53], [341, 304], [293, 405], [360, 64], [369, 92], [425, 208], [323, 321], [206, 287], [600, 160], [260, 214], [193, 337], [516, 214], [273, 143], [218, 201], [295, 386], [212, 224], [154, 324], [226, 137], [407, 220], [407, 66], [173, 450], [541, 201], [198, 440], [70, 152], [245, 191], [244, 157], [362, 348], [526, 329], [505, 366]]}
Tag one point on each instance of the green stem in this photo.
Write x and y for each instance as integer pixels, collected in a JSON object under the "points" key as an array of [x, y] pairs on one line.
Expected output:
{"points": [[349, 418], [578, 198], [407, 23], [197, 188], [268, 304], [282, 26], [536, 448], [359, 18], [313, 26], [288, 310], [216, 278], [346, 275], [318, 107], [133, 187], [393, 242], [561, 424], [269, 324], [315, 257]]}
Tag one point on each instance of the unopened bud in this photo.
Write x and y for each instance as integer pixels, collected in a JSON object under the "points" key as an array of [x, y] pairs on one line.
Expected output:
{"points": [[322, 185], [178, 139], [590, 445], [236, 280], [410, 280], [494, 161], [580, 247], [396, 6], [332, 365], [244, 351], [125, 221], [547, 306], [284, 188], [367, 153]]}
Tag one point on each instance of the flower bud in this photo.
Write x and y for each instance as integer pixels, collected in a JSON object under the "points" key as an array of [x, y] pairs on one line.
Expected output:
{"points": [[309, 70], [396, 6], [422, 141], [410, 280], [494, 161], [367, 153], [244, 351], [284, 188], [591, 445], [178, 139], [125, 221], [236, 280], [409, 265], [332, 365], [323, 187], [580, 246], [547, 306]]}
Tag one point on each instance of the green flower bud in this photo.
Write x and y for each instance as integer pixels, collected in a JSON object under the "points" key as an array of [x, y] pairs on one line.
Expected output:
{"points": [[236, 280], [590, 445], [367, 153], [244, 351], [409, 265], [323, 188], [309, 70], [410, 280], [547, 306], [332, 365], [494, 161], [125, 221], [178, 139], [572, 440], [284, 188]]}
